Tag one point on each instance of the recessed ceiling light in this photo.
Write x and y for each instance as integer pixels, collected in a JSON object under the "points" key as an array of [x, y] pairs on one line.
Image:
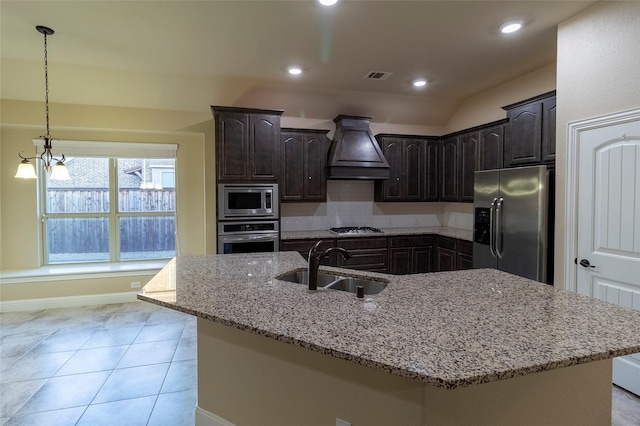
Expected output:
{"points": [[294, 70], [419, 82], [510, 27], [328, 2]]}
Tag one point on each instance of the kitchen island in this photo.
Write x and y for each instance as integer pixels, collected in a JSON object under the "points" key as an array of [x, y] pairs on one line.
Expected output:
{"points": [[463, 347]]}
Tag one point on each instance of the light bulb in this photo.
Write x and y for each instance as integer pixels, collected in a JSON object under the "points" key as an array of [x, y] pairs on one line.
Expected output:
{"points": [[60, 172], [26, 170]]}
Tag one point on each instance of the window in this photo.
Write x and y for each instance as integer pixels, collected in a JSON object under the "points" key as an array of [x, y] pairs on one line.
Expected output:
{"points": [[112, 210]]}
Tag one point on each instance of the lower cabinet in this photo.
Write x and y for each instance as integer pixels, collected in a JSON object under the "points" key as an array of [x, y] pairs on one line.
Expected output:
{"points": [[367, 254], [446, 256], [399, 255], [464, 251], [411, 255]]}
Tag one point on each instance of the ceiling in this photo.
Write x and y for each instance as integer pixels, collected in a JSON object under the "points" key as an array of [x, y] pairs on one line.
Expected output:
{"points": [[187, 55]]}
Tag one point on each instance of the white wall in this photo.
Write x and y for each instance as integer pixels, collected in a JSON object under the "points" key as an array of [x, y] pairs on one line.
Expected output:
{"points": [[598, 74]]}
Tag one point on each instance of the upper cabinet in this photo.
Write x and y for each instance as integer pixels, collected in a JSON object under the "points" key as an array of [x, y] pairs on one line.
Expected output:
{"points": [[303, 158], [412, 168], [463, 153], [449, 166], [468, 147], [247, 144], [490, 147], [531, 131]]}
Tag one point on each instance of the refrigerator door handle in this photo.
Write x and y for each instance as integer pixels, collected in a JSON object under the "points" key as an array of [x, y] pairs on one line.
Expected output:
{"points": [[492, 227], [498, 233]]}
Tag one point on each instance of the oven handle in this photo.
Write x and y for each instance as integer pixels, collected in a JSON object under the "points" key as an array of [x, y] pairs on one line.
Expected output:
{"points": [[241, 238]]}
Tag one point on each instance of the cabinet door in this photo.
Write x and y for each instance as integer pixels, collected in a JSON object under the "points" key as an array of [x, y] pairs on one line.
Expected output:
{"points": [[400, 260], [315, 162], [468, 146], [411, 177], [549, 130], [490, 148], [264, 144], [431, 181], [449, 170], [291, 175], [446, 257], [464, 250], [524, 135], [232, 146], [392, 188], [368, 254], [422, 260]]}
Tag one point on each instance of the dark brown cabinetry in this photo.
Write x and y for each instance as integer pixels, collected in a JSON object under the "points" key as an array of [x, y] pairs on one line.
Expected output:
{"points": [[453, 254], [399, 255], [464, 254], [368, 254], [412, 169], [490, 148], [465, 152], [531, 131], [468, 147], [303, 158], [446, 256], [247, 144], [549, 130], [411, 255], [449, 165], [431, 170]]}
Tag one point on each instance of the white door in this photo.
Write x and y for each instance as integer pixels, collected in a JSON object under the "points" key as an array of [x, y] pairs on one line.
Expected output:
{"points": [[608, 224]]}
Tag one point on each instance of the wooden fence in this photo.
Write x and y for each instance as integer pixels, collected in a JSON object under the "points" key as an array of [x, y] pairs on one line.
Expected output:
{"points": [[91, 234], [96, 200]]}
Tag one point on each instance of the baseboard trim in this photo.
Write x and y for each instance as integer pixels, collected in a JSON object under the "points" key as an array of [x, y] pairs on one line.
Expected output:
{"points": [[67, 302], [205, 418], [624, 374]]}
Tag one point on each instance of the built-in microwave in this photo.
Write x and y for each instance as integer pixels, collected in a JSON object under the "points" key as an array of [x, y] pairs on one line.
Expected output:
{"points": [[251, 200]]}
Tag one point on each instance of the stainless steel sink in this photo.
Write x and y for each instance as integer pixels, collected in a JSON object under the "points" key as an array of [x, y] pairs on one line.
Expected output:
{"points": [[351, 284], [336, 282], [302, 277]]}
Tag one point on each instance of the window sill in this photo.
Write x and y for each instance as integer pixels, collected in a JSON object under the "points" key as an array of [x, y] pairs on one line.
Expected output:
{"points": [[76, 272]]}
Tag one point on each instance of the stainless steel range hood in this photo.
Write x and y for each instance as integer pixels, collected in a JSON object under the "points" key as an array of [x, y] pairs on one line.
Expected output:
{"points": [[354, 152]]}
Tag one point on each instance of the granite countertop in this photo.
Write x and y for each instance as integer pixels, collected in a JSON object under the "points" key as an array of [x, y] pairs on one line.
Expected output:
{"points": [[461, 234], [447, 329]]}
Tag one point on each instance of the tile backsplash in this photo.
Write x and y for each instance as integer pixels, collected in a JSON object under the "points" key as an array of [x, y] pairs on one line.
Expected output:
{"points": [[350, 203]]}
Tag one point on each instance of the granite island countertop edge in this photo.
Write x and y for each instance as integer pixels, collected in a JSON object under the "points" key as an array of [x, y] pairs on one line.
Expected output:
{"points": [[359, 356]]}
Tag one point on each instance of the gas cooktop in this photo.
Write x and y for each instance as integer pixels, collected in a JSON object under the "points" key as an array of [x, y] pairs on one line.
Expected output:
{"points": [[355, 230]]}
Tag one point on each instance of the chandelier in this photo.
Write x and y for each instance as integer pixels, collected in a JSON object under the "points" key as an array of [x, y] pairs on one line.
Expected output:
{"points": [[51, 164]]}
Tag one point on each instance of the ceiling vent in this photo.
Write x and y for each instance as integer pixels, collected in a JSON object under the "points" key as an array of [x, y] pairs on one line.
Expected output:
{"points": [[377, 75]]}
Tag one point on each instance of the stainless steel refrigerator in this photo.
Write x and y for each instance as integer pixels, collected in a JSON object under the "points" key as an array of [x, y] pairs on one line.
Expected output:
{"points": [[513, 221]]}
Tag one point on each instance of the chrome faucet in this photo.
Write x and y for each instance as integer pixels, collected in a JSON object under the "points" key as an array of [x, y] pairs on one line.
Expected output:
{"points": [[314, 262]]}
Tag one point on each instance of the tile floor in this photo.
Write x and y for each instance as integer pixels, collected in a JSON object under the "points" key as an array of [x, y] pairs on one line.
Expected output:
{"points": [[122, 364]]}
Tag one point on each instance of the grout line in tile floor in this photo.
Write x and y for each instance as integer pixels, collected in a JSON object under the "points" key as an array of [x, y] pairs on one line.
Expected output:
{"points": [[130, 363]]}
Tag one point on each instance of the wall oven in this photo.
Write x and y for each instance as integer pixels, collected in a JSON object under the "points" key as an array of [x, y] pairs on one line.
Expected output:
{"points": [[248, 237], [247, 201]]}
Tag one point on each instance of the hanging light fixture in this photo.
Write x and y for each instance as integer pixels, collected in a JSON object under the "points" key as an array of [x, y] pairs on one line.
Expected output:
{"points": [[58, 170]]}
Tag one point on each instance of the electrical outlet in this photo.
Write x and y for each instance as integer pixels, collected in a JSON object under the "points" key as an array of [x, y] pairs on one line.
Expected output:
{"points": [[135, 284], [340, 422]]}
